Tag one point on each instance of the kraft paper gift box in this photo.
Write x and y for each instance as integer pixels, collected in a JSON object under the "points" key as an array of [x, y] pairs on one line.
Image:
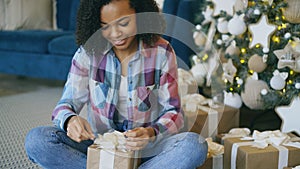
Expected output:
{"points": [[248, 157], [214, 155], [98, 158], [211, 121], [109, 152], [213, 162]]}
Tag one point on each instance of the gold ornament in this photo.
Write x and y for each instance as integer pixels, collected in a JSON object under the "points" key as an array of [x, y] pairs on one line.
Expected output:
{"points": [[292, 12], [261, 32], [251, 96], [256, 63]]}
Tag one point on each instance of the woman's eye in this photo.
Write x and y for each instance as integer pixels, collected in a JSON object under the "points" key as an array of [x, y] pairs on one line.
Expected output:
{"points": [[105, 27], [124, 24]]}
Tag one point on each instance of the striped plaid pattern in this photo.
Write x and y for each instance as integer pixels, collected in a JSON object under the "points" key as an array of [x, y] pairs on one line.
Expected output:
{"points": [[153, 98]]}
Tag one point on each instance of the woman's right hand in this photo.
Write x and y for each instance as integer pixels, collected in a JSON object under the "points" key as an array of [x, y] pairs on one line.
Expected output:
{"points": [[78, 129]]}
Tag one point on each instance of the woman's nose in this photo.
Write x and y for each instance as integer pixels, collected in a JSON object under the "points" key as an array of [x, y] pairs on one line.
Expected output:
{"points": [[115, 32]]}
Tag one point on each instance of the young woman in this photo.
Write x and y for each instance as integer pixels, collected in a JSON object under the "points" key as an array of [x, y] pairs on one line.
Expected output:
{"points": [[127, 75]]}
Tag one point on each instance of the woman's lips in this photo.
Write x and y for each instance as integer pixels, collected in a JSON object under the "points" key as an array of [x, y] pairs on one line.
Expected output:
{"points": [[119, 42]]}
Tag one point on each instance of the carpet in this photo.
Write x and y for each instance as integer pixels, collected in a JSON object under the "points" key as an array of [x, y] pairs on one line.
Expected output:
{"points": [[18, 114]]}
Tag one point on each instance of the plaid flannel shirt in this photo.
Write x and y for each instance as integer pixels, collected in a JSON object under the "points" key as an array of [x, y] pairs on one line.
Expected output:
{"points": [[153, 98]]}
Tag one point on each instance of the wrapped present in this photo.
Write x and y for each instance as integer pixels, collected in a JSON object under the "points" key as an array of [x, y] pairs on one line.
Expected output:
{"points": [[268, 150], [214, 156], [187, 84], [206, 118], [109, 152], [235, 132]]}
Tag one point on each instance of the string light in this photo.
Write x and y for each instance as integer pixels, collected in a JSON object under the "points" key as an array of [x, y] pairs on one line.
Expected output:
{"points": [[243, 50], [257, 46], [283, 25], [251, 71], [290, 82], [205, 57], [283, 17], [276, 39], [242, 61], [231, 89], [291, 72], [276, 18]]}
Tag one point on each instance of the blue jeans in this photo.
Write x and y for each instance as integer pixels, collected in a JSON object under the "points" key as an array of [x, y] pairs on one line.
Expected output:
{"points": [[51, 148]]}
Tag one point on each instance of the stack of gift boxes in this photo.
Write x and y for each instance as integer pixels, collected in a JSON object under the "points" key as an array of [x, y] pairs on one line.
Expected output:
{"points": [[230, 147], [241, 149]]}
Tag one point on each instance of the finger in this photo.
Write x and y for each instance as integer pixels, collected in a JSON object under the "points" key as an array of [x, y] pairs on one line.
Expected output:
{"points": [[135, 139], [75, 138], [90, 132], [80, 130], [134, 132], [136, 145]]}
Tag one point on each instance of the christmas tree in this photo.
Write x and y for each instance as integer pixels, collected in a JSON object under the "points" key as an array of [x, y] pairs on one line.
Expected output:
{"points": [[258, 47]]}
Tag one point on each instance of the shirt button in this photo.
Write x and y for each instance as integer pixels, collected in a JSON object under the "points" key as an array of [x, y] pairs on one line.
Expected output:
{"points": [[130, 99]]}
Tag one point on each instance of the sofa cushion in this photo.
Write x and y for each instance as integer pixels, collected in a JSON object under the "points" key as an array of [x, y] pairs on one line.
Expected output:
{"points": [[35, 41], [66, 14], [29, 14], [63, 45]]}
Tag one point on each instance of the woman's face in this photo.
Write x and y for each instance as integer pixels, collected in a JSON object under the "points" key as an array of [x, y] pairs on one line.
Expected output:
{"points": [[118, 22]]}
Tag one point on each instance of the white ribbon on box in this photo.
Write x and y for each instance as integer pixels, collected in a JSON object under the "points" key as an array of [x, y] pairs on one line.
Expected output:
{"points": [[216, 151], [194, 102], [263, 139], [109, 143]]}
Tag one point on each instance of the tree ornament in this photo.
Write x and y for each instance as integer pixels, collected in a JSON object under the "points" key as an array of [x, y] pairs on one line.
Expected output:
{"points": [[232, 99], [207, 15], [256, 63], [277, 82], [292, 12], [269, 1], [290, 116], [199, 38], [186, 82], [240, 5], [236, 25], [251, 95], [232, 49], [288, 57], [221, 6], [229, 71], [222, 26], [199, 72], [261, 32]]}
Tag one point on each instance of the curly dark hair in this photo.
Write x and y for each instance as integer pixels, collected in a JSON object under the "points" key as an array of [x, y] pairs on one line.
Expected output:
{"points": [[88, 20]]}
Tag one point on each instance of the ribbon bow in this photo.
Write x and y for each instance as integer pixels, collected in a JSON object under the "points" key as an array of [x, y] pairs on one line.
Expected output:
{"points": [[111, 140], [266, 138]]}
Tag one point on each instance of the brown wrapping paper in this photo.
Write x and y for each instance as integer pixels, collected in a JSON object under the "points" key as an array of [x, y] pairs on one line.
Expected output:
{"points": [[228, 118], [253, 158], [211, 164], [122, 160]]}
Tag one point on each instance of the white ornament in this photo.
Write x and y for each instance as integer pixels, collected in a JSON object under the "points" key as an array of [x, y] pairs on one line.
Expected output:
{"points": [[264, 92], [221, 6], [207, 15], [256, 12], [266, 50], [222, 25], [240, 5], [261, 32], [236, 25], [198, 27], [240, 81], [290, 116], [278, 80], [233, 99], [219, 42], [297, 85], [287, 35], [199, 72]]}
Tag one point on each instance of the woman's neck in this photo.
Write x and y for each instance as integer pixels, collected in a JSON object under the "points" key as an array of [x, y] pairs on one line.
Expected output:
{"points": [[127, 54]]}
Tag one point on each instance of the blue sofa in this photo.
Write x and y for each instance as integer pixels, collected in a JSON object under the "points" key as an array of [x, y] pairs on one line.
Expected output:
{"points": [[41, 53]]}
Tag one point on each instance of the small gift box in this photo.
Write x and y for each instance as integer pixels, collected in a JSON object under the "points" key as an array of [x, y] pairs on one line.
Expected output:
{"points": [[108, 152], [214, 156], [208, 119], [267, 150]]}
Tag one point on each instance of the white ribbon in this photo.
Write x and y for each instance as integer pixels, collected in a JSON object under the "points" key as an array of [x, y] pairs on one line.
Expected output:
{"points": [[217, 162], [211, 124], [234, 149], [107, 159], [263, 139]]}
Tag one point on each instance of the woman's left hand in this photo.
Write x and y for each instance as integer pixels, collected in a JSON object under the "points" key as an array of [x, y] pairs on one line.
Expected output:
{"points": [[138, 138]]}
